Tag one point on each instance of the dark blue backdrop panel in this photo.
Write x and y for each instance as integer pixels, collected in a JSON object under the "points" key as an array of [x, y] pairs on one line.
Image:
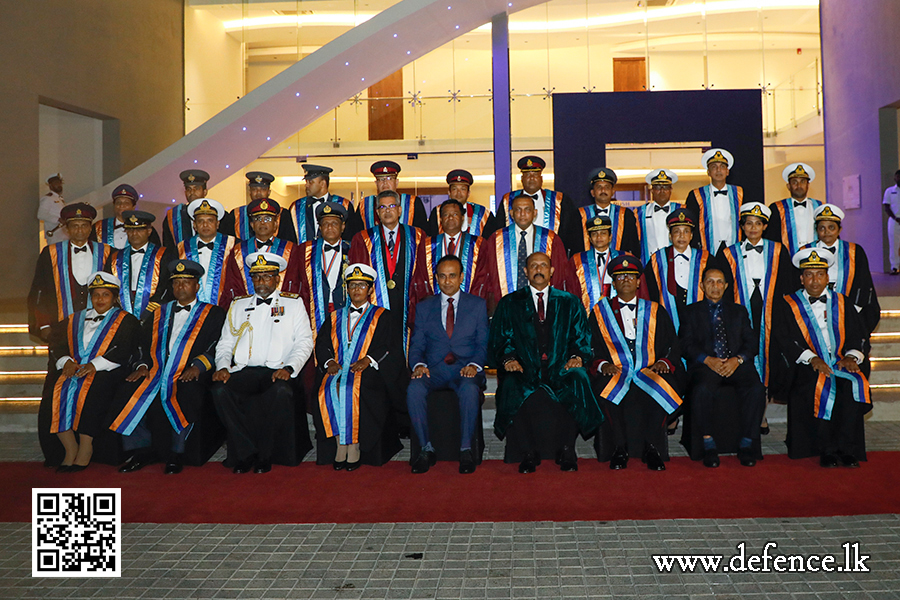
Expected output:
{"points": [[584, 123]]}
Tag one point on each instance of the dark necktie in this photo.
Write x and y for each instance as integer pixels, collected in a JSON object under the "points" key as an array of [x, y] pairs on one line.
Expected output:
{"points": [[334, 248], [601, 258], [748, 247], [541, 314], [451, 247], [202, 245], [800, 203], [186, 307], [721, 338], [657, 208], [823, 299], [264, 301], [357, 310], [82, 249], [521, 258], [720, 192], [391, 243], [141, 251]]}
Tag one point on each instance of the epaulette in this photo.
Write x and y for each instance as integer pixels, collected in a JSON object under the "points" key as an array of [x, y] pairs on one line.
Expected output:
{"points": [[152, 306], [289, 295], [242, 297]]}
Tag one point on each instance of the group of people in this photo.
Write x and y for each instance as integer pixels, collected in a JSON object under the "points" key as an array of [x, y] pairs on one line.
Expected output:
{"points": [[599, 320]]}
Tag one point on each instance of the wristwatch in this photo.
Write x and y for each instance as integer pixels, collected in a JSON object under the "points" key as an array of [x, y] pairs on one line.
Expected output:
{"points": [[289, 369], [740, 360]]}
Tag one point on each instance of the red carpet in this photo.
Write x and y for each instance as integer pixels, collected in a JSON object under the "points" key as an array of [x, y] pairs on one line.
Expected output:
{"points": [[777, 487]]}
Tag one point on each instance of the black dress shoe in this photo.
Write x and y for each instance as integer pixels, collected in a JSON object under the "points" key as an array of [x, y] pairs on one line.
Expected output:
{"points": [[262, 466], [76, 468], [828, 461], [173, 468], [135, 463], [745, 455], [671, 429], [764, 429], [352, 466], [711, 458], [848, 460], [654, 460], [423, 462], [242, 467], [567, 459], [619, 459], [529, 463], [63, 468], [466, 461], [339, 464]]}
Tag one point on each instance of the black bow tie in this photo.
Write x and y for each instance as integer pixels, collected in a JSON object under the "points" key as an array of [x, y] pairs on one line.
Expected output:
{"points": [[748, 247], [179, 308], [141, 251], [120, 226], [334, 248], [82, 249], [829, 249], [357, 310], [683, 256], [823, 299], [260, 244], [264, 300], [800, 203], [722, 192], [202, 245], [317, 200], [659, 208], [536, 196], [96, 319], [625, 305]]}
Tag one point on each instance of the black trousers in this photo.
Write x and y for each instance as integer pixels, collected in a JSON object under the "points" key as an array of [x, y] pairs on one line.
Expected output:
{"points": [[253, 408], [542, 423], [637, 423], [839, 434], [706, 389]]}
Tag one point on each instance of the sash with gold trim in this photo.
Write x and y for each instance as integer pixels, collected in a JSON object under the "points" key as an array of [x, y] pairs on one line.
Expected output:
{"points": [[743, 290], [339, 393], [211, 283], [477, 215], [617, 218], [470, 244], [298, 214], [826, 385], [705, 218], [785, 210], [552, 208], [59, 260], [508, 258], [69, 393], [635, 369], [659, 265], [282, 248], [370, 215], [590, 276], [148, 279], [167, 368]]}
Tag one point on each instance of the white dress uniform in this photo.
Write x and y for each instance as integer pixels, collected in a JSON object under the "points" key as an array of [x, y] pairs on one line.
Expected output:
{"points": [[892, 199], [48, 211]]}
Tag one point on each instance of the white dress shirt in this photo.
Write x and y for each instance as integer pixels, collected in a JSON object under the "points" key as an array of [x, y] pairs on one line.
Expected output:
{"points": [[804, 222], [534, 297], [755, 263], [629, 316], [455, 240], [82, 263], [315, 205], [387, 234], [465, 217], [538, 197], [820, 312], [723, 225], [137, 260], [48, 211], [354, 319], [204, 255], [529, 238], [120, 238], [335, 259], [892, 199], [178, 321], [655, 227], [90, 327], [602, 264], [682, 262]]}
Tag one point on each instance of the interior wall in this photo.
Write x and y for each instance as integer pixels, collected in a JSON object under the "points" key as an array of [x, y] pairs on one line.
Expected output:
{"points": [[860, 60], [102, 58], [72, 144]]}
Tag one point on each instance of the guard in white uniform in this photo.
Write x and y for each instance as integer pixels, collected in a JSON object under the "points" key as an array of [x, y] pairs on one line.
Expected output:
{"points": [[48, 211], [892, 208]]}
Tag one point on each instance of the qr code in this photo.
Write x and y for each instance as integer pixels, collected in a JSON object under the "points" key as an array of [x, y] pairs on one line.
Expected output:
{"points": [[76, 532]]}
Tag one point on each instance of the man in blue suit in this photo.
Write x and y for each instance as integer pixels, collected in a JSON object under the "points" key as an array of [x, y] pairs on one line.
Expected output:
{"points": [[447, 352]]}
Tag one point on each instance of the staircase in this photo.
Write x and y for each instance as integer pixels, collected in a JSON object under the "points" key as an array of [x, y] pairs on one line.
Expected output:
{"points": [[885, 378]]}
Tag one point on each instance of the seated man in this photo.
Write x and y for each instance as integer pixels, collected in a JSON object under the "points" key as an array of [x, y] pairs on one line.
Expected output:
{"points": [[265, 342], [821, 334], [639, 369], [719, 345], [447, 352], [540, 342], [162, 397]]}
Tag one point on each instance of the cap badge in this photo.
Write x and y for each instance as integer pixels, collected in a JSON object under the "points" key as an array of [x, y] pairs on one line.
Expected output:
{"points": [[718, 156], [258, 179], [191, 178], [180, 267], [813, 256], [528, 163], [133, 219], [78, 212], [681, 216], [826, 212], [98, 280], [602, 175], [327, 209], [261, 261], [756, 211], [799, 170], [264, 205]]}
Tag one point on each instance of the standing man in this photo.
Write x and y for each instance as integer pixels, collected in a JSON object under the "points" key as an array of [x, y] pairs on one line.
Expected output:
{"points": [[638, 372], [651, 217], [587, 276], [448, 352], [477, 220], [265, 342], [716, 205], [412, 211], [303, 226], [177, 224], [453, 240], [718, 344], [624, 229], [236, 222], [502, 267], [892, 208], [60, 284], [111, 231], [264, 221], [792, 218], [49, 207], [541, 344], [163, 395], [820, 334], [141, 266], [209, 248], [552, 210]]}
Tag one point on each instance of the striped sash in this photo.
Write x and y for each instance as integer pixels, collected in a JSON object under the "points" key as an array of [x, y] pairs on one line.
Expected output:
{"points": [[660, 266], [785, 209], [148, 279], [282, 248], [178, 220], [617, 218], [552, 208], [62, 269], [374, 243], [315, 274], [590, 276], [211, 283], [106, 231], [470, 244], [705, 218], [508, 258]]}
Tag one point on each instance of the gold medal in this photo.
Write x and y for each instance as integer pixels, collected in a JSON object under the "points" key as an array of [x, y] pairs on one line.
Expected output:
{"points": [[391, 284]]}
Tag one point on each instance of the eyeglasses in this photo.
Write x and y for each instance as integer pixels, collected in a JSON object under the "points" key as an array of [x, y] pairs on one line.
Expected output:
{"points": [[387, 206], [263, 219], [624, 276], [659, 186], [357, 285]]}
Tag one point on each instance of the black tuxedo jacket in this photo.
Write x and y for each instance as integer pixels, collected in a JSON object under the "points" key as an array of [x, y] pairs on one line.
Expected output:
{"points": [[696, 333]]}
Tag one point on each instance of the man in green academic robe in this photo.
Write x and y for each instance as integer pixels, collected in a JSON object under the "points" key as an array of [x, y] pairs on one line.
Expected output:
{"points": [[541, 344]]}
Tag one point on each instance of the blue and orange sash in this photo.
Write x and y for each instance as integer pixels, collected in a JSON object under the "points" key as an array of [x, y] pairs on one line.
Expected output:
{"points": [[374, 242], [635, 369], [106, 231], [477, 215], [470, 244], [148, 279], [616, 216], [659, 264], [339, 394], [590, 276], [176, 219], [785, 209], [59, 260], [826, 385], [844, 263], [298, 214], [242, 230], [552, 207], [167, 368], [640, 214], [314, 260], [69, 393], [743, 290], [370, 215], [508, 258], [282, 248], [211, 283], [705, 218]]}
